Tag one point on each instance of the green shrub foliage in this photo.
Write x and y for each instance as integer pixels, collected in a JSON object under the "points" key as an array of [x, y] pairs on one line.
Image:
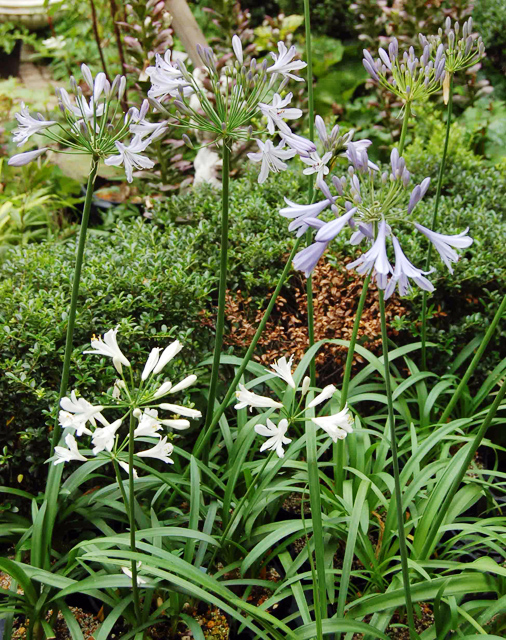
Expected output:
{"points": [[157, 279]]}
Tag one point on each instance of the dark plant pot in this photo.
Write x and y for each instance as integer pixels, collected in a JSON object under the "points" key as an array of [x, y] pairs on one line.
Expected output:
{"points": [[2, 627], [9, 62]]}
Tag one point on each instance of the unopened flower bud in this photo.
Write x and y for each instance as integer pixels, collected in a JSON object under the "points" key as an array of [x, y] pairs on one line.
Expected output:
{"points": [[137, 413], [187, 141], [306, 383]]}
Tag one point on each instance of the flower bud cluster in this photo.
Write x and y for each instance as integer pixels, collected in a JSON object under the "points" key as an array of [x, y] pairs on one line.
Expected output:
{"points": [[462, 48], [410, 78], [237, 90]]}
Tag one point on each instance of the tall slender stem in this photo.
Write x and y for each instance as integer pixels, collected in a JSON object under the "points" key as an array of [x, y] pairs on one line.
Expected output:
{"points": [[309, 235], [94, 23], [434, 219], [474, 362], [207, 433], [395, 460], [131, 514], [338, 447], [407, 114], [220, 321], [473, 448], [54, 473], [75, 292]]}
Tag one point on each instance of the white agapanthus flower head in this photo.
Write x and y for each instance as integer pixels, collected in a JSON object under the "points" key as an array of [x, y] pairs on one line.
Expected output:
{"points": [[337, 426], [275, 436], [283, 369], [141, 402], [96, 126]]}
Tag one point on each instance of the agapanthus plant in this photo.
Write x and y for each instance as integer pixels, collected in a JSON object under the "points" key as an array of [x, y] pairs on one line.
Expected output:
{"points": [[462, 48], [142, 410], [337, 425], [373, 204], [410, 78], [97, 127], [237, 93], [224, 104]]}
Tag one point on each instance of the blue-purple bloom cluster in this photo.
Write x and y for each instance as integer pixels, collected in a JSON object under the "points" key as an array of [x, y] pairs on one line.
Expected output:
{"points": [[370, 203]]}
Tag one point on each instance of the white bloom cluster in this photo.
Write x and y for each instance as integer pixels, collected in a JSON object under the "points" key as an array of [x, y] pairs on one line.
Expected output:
{"points": [[80, 418], [93, 126], [337, 425]]}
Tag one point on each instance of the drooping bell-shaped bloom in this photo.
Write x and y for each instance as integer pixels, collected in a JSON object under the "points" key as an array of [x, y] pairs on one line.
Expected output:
{"points": [[161, 451], [283, 369], [20, 159], [325, 395], [331, 229], [404, 270], [149, 425], [130, 156], [338, 426], [277, 112], [249, 399], [108, 346], [444, 244], [375, 258], [28, 125], [284, 63], [71, 452], [276, 436], [271, 157], [299, 144], [103, 438], [307, 259]]}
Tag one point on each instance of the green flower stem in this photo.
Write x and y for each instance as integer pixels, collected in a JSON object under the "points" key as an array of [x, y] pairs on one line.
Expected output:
{"points": [[131, 514], [442, 167], [473, 448], [130, 506], [73, 300], [407, 115], [207, 433], [320, 590], [474, 362], [338, 447], [395, 461], [41, 550], [309, 235], [220, 321]]}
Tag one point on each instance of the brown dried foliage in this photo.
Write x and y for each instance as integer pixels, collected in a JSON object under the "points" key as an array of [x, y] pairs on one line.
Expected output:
{"points": [[336, 294]]}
